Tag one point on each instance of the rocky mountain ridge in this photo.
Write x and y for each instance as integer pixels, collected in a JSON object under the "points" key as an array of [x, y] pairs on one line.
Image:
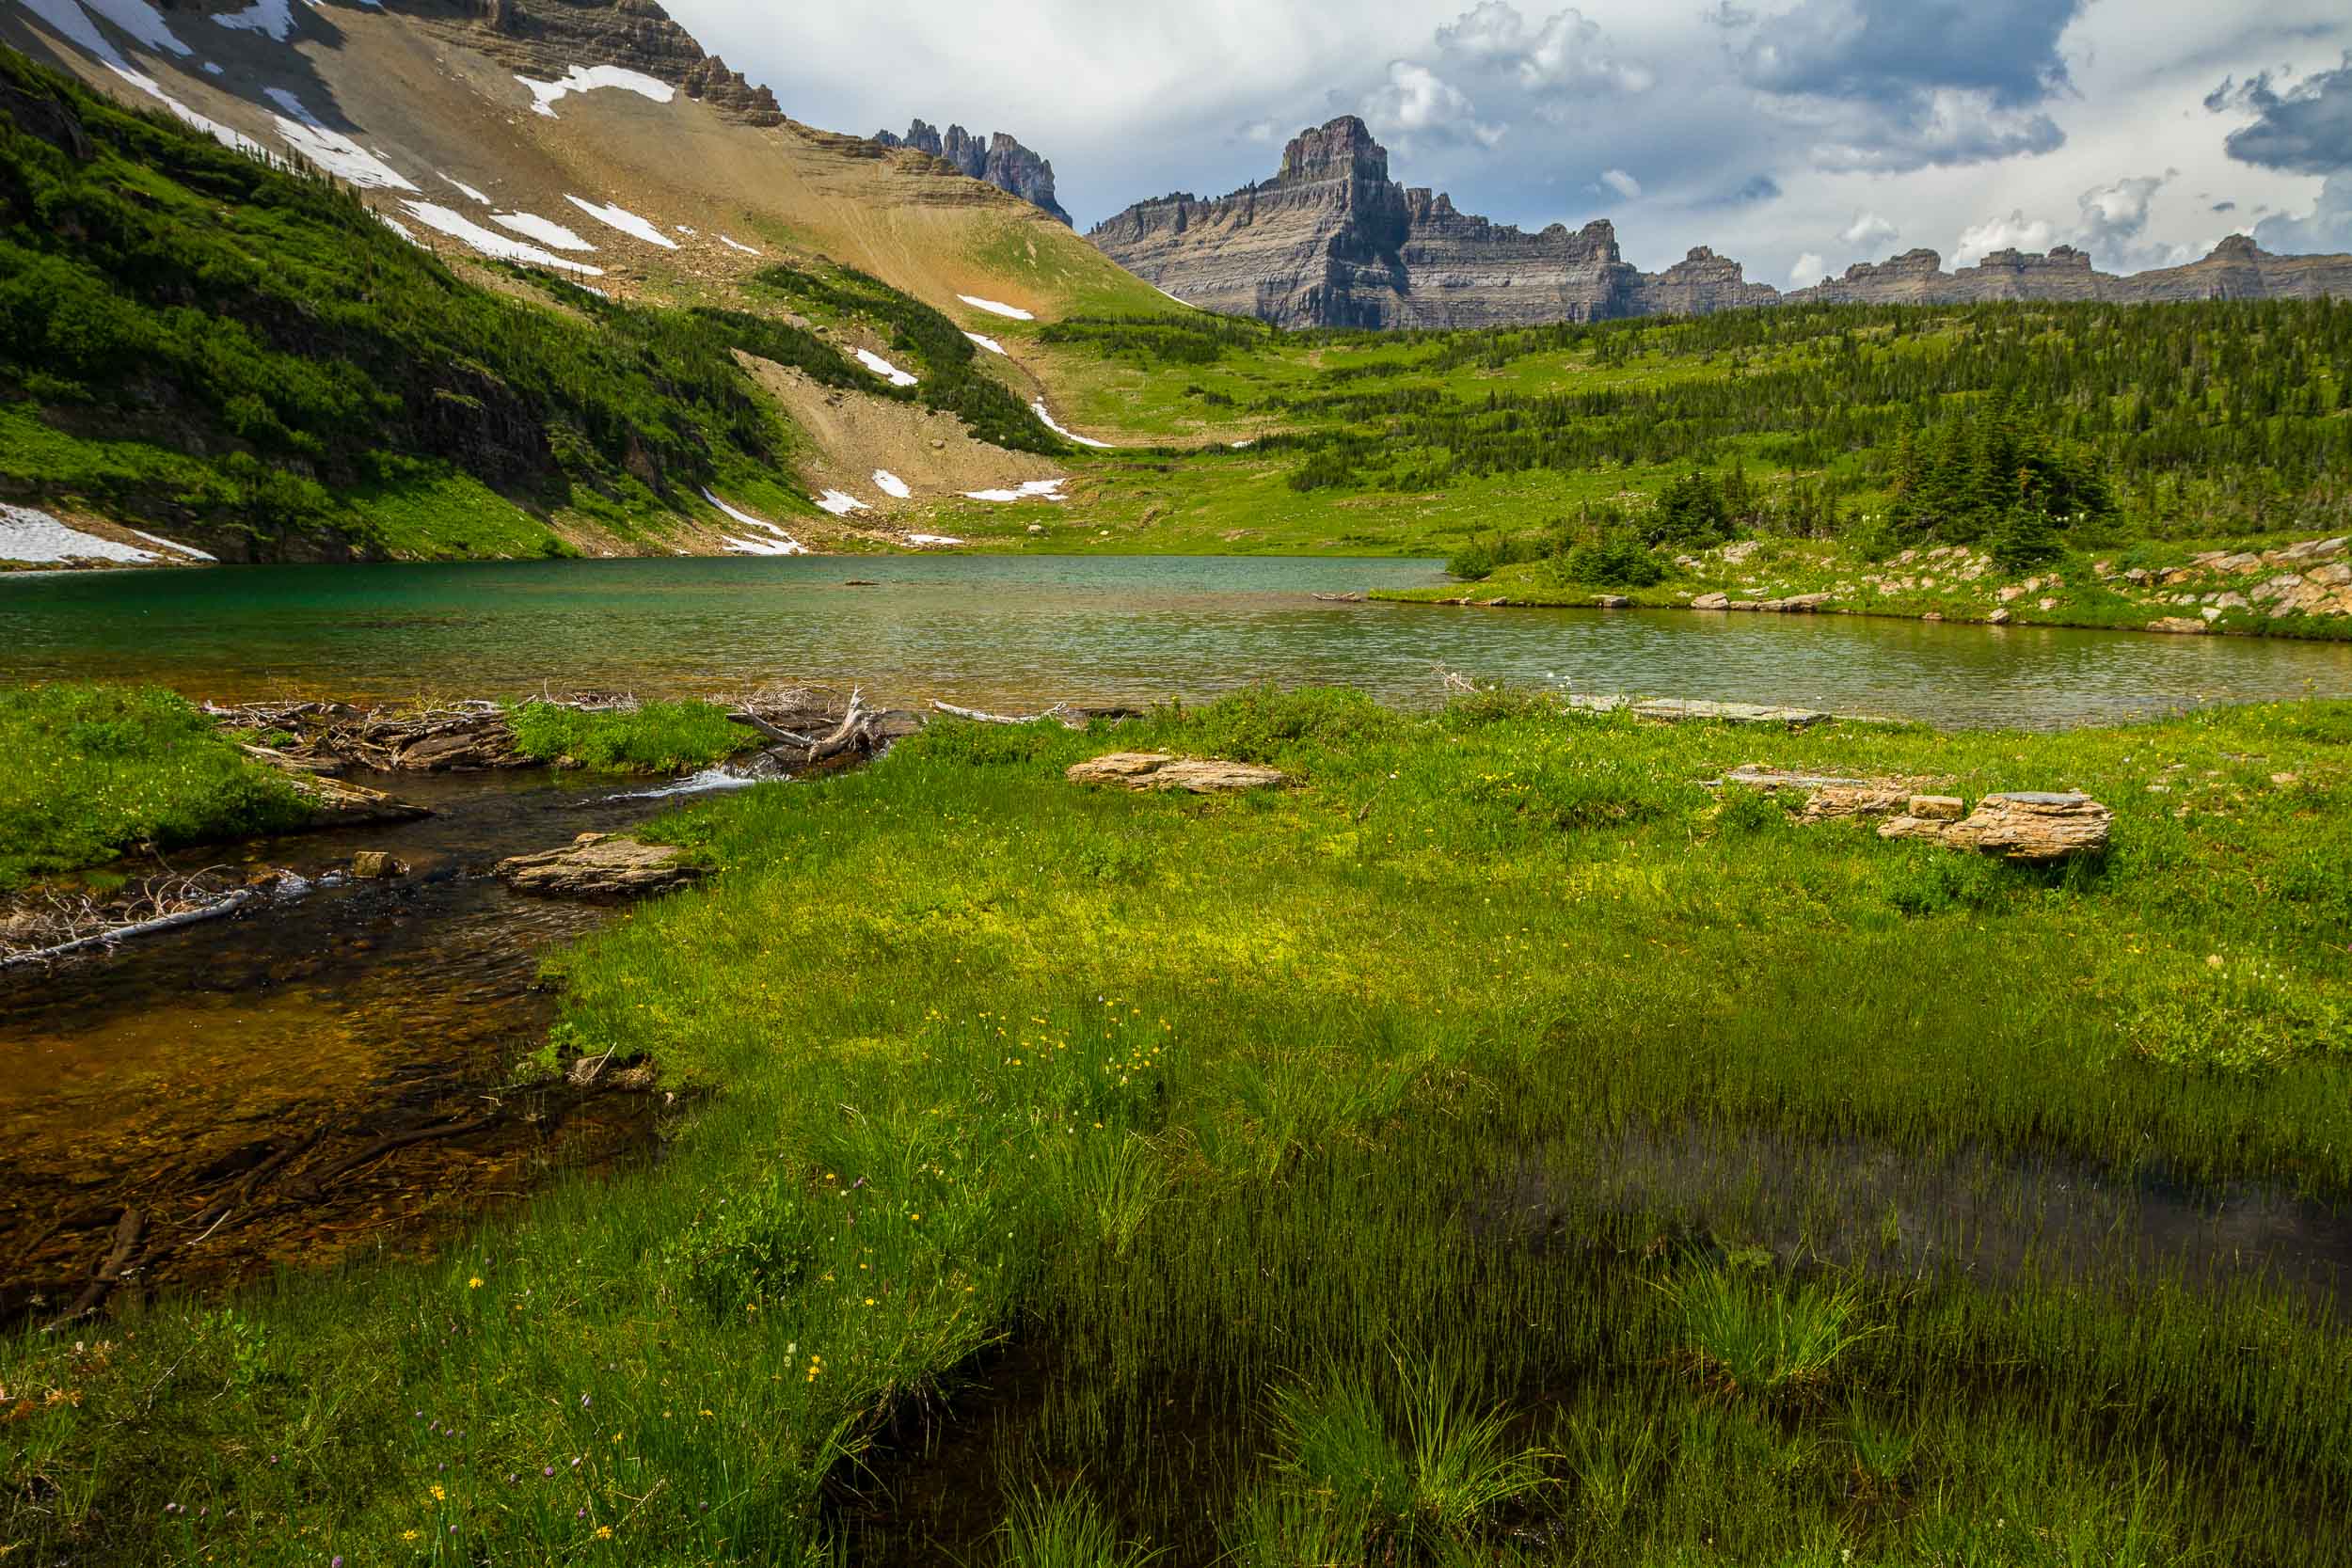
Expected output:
{"points": [[1001, 161], [1331, 241], [548, 38]]}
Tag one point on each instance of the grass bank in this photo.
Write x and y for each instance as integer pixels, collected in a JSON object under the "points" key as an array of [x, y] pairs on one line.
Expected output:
{"points": [[1496, 1148], [649, 737], [96, 770], [2179, 585]]}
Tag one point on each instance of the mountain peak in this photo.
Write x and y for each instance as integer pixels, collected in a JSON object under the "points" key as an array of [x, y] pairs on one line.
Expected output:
{"points": [[1343, 148], [1000, 161]]}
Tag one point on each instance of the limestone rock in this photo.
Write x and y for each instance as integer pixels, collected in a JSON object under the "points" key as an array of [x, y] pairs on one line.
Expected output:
{"points": [[1331, 241], [375, 865], [544, 39], [598, 868], [2310, 549], [1711, 601], [2179, 625], [1840, 800], [1936, 808], [1998, 618], [2028, 829], [1827, 797], [1157, 770], [1678, 709], [1001, 161], [1612, 601]]}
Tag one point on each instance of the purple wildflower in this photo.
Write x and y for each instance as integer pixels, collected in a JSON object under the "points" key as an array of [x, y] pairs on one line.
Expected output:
{"points": [[549, 1471]]}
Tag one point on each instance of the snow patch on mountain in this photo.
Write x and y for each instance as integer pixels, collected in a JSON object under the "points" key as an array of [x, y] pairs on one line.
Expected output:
{"points": [[331, 150], [617, 216], [30, 535], [996, 307], [1049, 489], [489, 242], [274, 19], [891, 484], [989, 343], [783, 543], [587, 78], [1040, 410], [546, 230], [885, 368]]}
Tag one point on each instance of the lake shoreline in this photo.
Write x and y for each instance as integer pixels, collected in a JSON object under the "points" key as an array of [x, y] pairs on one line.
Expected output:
{"points": [[2301, 592]]}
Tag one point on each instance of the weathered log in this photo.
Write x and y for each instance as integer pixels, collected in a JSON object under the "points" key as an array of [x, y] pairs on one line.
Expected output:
{"points": [[1059, 713], [217, 910], [599, 868]]}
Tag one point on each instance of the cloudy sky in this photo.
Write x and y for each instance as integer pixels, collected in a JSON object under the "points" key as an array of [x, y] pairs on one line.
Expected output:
{"points": [[1798, 135]]}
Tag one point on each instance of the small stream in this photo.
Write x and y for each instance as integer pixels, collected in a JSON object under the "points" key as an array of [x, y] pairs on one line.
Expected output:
{"points": [[209, 1078]]}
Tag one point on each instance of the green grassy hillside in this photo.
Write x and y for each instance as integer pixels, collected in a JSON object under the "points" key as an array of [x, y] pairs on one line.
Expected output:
{"points": [[245, 355]]}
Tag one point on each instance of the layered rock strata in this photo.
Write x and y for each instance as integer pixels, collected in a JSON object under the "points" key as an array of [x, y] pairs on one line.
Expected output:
{"points": [[546, 37], [1000, 161], [1331, 241]]}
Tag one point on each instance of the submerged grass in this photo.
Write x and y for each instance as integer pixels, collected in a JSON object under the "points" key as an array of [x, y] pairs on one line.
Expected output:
{"points": [[95, 770], [1279, 1133]]}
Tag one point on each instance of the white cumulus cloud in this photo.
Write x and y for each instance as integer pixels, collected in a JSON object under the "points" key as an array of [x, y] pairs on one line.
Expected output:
{"points": [[1564, 50], [2014, 232], [1810, 269], [1415, 102], [1623, 183], [1870, 230]]}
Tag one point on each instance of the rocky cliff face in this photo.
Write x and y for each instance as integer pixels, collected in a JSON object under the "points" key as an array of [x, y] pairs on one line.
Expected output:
{"points": [[2237, 269], [1001, 161], [546, 37], [1332, 241]]}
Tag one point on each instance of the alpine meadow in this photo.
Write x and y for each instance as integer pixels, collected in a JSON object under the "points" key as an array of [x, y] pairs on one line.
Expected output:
{"points": [[729, 843]]}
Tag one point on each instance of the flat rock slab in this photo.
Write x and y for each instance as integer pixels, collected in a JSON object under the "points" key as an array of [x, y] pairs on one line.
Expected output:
{"points": [[1678, 709], [1158, 770], [1827, 795], [2027, 829], [600, 869]]}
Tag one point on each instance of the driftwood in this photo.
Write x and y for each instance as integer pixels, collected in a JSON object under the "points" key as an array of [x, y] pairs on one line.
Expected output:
{"points": [[219, 909], [467, 736], [1061, 713]]}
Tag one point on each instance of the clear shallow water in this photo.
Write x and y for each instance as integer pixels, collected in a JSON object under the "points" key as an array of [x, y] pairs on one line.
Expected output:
{"points": [[1024, 631]]}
